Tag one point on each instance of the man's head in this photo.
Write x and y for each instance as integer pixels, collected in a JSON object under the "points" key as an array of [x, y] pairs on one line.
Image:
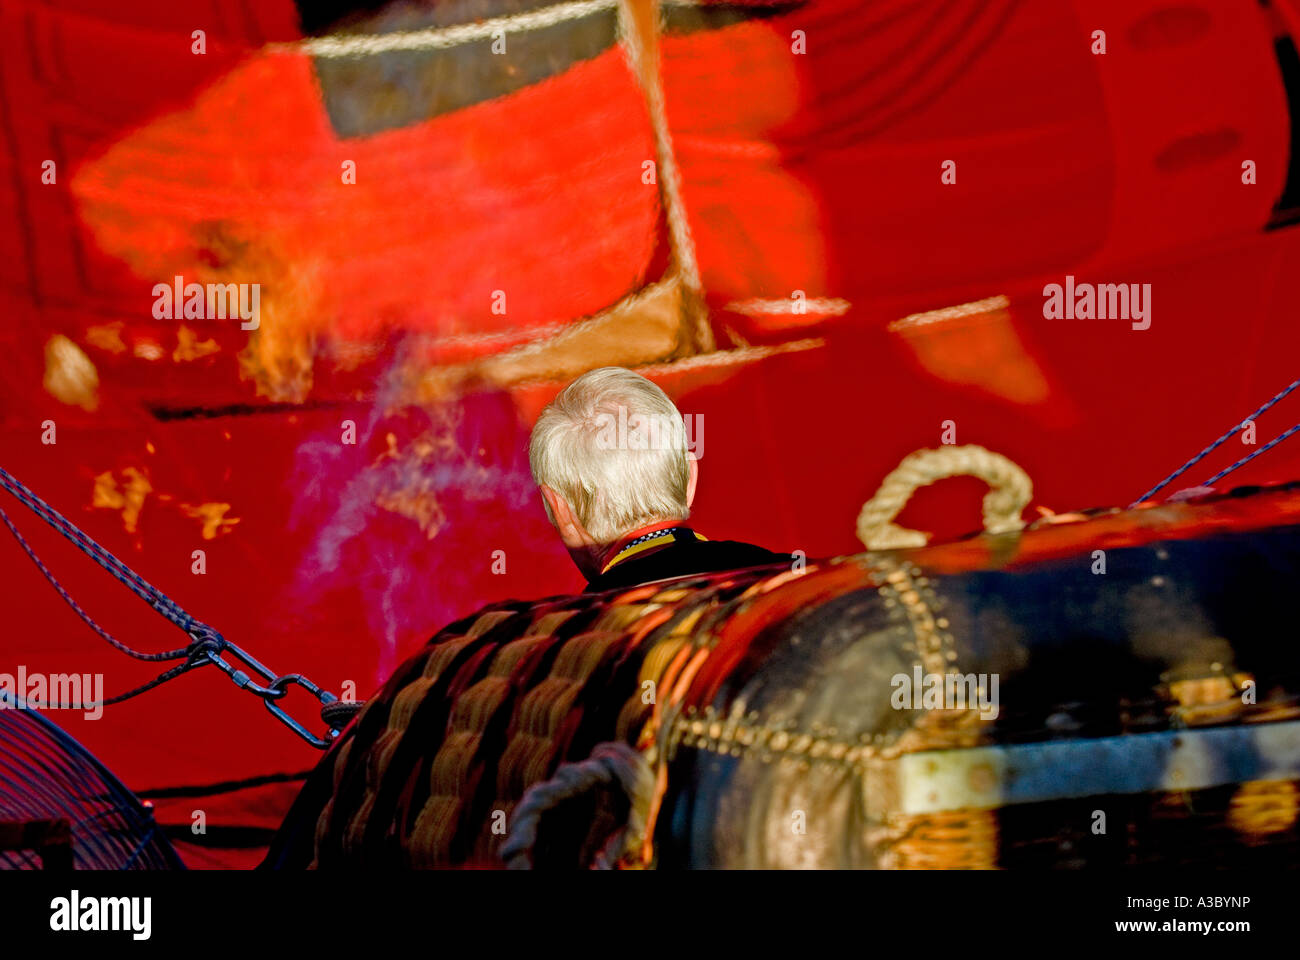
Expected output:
{"points": [[609, 455]]}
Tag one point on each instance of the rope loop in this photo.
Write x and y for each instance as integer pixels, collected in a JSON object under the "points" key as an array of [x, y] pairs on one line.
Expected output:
{"points": [[612, 762], [1010, 492]]}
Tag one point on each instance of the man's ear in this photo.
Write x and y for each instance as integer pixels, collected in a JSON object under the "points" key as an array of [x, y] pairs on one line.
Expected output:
{"points": [[694, 466], [570, 528], [561, 515]]}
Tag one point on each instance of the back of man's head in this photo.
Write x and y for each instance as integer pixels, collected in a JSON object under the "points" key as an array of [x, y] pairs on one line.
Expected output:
{"points": [[614, 447]]}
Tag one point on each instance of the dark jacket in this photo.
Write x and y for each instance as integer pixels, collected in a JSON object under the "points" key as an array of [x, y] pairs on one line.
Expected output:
{"points": [[687, 554]]}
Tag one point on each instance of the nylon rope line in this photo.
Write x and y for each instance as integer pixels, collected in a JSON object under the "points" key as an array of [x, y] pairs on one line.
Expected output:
{"points": [[162, 678], [133, 581], [206, 644], [1246, 459], [124, 574], [76, 608], [1217, 443]]}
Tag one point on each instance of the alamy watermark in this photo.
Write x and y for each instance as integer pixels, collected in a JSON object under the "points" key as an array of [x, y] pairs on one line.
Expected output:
{"points": [[75, 913], [1100, 301], [624, 431], [179, 300], [945, 691], [49, 691]]}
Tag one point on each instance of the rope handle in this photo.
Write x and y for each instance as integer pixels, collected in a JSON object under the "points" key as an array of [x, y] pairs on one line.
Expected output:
{"points": [[612, 763], [1010, 492]]}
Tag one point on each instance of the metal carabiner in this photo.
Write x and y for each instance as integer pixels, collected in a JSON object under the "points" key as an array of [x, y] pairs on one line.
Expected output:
{"points": [[278, 689]]}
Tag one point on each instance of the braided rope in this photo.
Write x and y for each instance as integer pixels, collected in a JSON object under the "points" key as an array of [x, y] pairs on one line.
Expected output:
{"points": [[206, 644], [1251, 456], [162, 678], [1011, 491], [124, 574], [610, 762], [76, 607], [1277, 397], [137, 584], [785, 307], [642, 52]]}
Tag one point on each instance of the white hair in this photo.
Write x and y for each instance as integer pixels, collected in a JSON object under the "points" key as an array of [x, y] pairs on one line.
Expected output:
{"points": [[614, 447]]}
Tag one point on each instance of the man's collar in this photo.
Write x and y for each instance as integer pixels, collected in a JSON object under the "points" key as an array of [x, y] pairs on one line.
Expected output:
{"points": [[639, 541]]}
